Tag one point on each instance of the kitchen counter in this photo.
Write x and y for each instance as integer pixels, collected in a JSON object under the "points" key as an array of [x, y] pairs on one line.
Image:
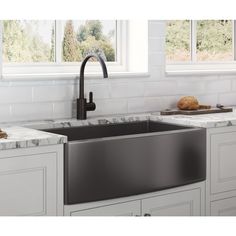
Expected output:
{"points": [[206, 121], [26, 134], [21, 137]]}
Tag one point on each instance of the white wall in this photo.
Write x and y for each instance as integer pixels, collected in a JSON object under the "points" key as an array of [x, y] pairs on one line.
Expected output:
{"points": [[54, 99]]}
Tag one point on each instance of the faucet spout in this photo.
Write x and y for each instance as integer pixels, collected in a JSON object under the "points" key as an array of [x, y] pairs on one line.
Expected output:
{"points": [[82, 68], [82, 105]]}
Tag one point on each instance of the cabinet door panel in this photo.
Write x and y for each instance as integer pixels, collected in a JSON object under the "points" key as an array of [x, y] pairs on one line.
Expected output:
{"points": [[121, 209], [225, 207], [28, 185], [186, 203], [223, 162]]}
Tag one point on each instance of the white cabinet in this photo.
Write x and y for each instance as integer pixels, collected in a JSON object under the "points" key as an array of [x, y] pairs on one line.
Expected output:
{"points": [[31, 181], [223, 162], [186, 203], [221, 171], [187, 200], [121, 209], [224, 207]]}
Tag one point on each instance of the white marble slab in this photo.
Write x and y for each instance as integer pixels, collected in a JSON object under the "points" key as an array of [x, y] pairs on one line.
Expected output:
{"points": [[207, 121], [21, 137]]}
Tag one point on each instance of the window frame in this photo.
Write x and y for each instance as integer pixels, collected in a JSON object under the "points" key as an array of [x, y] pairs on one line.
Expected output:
{"points": [[192, 66], [68, 68]]}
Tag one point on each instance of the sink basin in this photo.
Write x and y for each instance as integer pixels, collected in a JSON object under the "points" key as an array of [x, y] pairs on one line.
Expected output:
{"points": [[113, 130], [118, 160]]}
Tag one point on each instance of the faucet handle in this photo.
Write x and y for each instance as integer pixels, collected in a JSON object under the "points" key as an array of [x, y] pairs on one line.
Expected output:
{"points": [[90, 106], [90, 97]]}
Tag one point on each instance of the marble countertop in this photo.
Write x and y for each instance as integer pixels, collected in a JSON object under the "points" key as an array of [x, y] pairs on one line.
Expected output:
{"points": [[21, 137], [206, 121], [28, 134]]}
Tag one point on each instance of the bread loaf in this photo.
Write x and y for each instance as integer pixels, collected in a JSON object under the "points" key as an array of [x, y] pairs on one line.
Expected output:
{"points": [[3, 134], [188, 103]]}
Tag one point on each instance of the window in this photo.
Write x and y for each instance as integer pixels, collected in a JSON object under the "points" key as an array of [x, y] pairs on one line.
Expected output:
{"points": [[56, 48], [30, 47], [200, 45], [34, 41]]}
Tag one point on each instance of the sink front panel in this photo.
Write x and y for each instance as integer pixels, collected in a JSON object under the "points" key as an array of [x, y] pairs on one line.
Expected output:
{"points": [[108, 168]]}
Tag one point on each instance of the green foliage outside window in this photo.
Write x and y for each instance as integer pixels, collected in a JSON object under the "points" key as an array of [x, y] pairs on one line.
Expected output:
{"points": [[23, 42], [213, 40], [88, 38], [20, 44]]}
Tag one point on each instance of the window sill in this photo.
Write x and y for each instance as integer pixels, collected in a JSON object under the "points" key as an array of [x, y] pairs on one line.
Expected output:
{"points": [[73, 76], [201, 69], [200, 72]]}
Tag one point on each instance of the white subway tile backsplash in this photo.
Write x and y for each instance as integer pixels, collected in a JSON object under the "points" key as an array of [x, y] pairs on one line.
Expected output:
{"points": [[234, 85], [32, 111], [53, 93], [218, 86], [227, 99], [156, 29], [157, 72], [5, 113], [157, 59], [156, 45], [62, 109], [211, 99], [153, 89], [151, 104], [15, 94], [191, 87], [100, 91], [126, 90], [109, 106]]}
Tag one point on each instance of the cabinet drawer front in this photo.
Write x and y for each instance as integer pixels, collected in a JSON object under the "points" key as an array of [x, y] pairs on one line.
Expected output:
{"points": [[225, 207], [121, 209], [186, 203], [28, 185], [223, 162]]}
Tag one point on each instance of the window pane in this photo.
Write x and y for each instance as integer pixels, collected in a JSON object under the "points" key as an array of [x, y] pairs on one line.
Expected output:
{"points": [[178, 41], [27, 41], [83, 37], [214, 40]]}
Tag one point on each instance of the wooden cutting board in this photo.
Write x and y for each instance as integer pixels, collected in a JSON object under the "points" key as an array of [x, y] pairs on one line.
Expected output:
{"points": [[196, 112]]}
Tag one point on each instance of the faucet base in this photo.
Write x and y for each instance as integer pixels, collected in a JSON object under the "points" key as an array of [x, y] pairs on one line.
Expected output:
{"points": [[81, 109]]}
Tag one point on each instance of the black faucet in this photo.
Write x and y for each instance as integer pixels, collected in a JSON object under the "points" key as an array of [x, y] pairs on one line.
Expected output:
{"points": [[82, 105]]}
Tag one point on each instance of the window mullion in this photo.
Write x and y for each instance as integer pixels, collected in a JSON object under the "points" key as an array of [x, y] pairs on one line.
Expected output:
{"points": [[193, 37], [234, 39], [58, 39]]}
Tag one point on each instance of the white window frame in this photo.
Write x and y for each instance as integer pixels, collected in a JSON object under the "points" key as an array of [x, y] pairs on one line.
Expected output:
{"points": [[194, 66], [67, 69], [1, 49]]}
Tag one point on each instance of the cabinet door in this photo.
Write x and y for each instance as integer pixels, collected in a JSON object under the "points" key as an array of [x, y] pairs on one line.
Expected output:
{"points": [[186, 203], [223, 162], [28, 185], [122, 209], [225, 207]]}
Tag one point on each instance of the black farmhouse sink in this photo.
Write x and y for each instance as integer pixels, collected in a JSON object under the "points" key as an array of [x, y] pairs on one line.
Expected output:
{"points": [[118, 160]]}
